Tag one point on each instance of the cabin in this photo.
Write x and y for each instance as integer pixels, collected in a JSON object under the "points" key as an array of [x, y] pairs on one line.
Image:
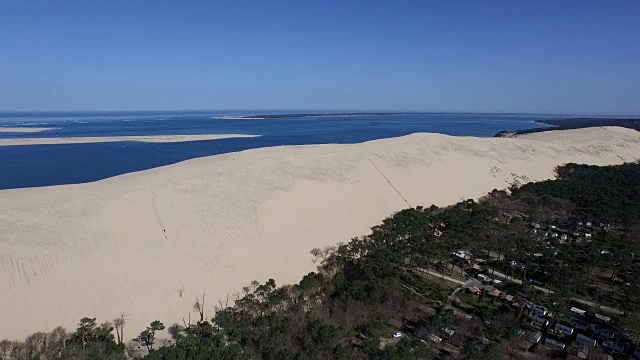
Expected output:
{"points": [[436, 339], [603, 333], [585, 341], [475, 291], [507, 298], [602, 318], [576, 311], [613, 346], [554, 344], [535, 337], [539, 311], [582, 326], [540, 322], [563, 329]]}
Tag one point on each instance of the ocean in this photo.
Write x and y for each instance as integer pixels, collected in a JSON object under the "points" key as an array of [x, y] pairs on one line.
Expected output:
{"points": [[45, 165]]}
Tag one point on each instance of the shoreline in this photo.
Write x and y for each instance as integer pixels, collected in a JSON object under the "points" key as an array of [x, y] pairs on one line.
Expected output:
{"points": [[22, 130], [221, 221], [86, 140]]}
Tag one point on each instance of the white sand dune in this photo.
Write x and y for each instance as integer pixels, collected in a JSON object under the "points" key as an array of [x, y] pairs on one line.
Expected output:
{"points": [[99, 249], [148, 138], [22, 129]]}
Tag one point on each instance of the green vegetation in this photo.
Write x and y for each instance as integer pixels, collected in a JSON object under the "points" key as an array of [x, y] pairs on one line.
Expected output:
{"points": [[575, 237]]}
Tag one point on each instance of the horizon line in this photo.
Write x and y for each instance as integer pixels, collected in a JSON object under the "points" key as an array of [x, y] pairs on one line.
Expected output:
{"points": [[307, 112]]}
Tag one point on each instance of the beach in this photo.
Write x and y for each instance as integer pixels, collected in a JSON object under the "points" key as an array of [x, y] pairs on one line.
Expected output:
{"points": [[97, 139], [146, 244]]}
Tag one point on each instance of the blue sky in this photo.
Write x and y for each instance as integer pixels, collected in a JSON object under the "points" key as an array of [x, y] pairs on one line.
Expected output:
{"points": [[485, 56]]}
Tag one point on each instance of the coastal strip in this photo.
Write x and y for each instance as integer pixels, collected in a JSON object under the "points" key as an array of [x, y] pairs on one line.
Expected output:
{"points": [[86, 140], [23, 129], [146, 244]]}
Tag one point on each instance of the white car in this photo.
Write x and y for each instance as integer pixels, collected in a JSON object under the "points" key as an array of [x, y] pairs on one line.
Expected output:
{"points": [[397, 335]]}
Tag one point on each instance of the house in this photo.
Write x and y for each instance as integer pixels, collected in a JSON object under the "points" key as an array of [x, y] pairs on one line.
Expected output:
{"points": [[539, 311], [554, 344], [563, 329], [613, 346], [539, 322], [579, 325], [602, 318], [434, 338], [576, 311], [475, 291], [585, 341], [602, 333], [535, 337]]}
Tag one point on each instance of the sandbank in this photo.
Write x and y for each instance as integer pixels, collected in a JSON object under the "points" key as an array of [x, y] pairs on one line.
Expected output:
{"points": [[84, 140], [147, 243], [22, 129]]}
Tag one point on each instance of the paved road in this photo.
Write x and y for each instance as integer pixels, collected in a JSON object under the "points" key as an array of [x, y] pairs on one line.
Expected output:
{"points": [[497, 274], [603, 308]]}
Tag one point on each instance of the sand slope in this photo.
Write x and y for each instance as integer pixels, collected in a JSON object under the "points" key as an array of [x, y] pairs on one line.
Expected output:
{"points": [[98, 249]]}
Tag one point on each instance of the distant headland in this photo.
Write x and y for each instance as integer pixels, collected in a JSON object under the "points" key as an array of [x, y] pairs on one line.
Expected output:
{"points": [[575, 123], [303, 115]]}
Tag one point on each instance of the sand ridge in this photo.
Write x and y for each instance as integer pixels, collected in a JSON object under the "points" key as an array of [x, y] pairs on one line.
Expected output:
{"points": [[130, 243]]}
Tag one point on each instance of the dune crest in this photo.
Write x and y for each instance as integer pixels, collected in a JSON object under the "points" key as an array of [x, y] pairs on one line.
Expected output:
{"points": [[131, 243]]}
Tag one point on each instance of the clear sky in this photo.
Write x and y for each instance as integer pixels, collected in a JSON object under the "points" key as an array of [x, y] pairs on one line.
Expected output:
{"points": [[487, 56]]}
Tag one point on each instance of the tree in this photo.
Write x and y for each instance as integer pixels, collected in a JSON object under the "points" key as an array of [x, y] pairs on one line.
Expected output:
{"points": [[5, 347], [175, 331], [198, 305], [148, 336], [119, 323]]}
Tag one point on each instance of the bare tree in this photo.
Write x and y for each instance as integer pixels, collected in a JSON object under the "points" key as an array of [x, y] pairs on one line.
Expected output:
{"points": [[199, 305], [119, 323], [225, 304]]}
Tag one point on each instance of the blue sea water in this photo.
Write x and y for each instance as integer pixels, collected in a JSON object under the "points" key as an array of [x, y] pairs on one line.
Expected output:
{"points": [[44, 165]]}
